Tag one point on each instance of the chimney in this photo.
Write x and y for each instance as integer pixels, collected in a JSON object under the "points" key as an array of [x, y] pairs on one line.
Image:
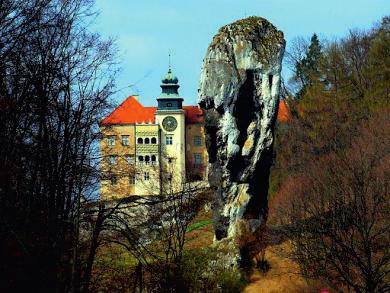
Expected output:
{"points": [[136, 96]]}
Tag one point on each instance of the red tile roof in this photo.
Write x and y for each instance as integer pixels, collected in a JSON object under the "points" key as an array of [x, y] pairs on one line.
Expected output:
{"points": [[194, 114], [131, 111], [283, 111]]}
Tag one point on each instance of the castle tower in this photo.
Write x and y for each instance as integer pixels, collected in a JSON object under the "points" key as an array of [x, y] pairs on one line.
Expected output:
{"points": [[171, 118]]}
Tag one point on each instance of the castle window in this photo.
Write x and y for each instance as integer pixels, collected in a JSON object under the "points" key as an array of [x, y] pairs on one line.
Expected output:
{"points": [[154, 140], [129, 159], [153, 160], [132, 179], [198, 160], [197, 140], [112, 159], [140, 160], [147, 141], [140, 140], [114, 180], [111, 140], [125, 140], [169, 140], [147, 160], [146, 176]]}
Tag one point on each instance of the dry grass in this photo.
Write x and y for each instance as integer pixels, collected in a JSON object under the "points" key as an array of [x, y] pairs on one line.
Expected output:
{"points": [[283, 276], [203, 236]]}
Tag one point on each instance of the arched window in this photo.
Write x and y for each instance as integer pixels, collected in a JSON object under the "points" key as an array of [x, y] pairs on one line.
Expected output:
{"points": [[147, 160], [154, 140], [147, 141], [153, 159], [140, 140], [140, 159]]}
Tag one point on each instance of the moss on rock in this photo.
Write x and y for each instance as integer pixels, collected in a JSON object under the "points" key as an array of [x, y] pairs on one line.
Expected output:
{"points": [[264, 37]]}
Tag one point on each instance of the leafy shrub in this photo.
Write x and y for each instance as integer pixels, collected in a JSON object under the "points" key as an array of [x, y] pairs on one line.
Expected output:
{"points": [[198, 271], [204, 273]]}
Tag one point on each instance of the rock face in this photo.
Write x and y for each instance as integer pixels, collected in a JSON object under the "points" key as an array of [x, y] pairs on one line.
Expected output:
{"points": [[239, 91]]}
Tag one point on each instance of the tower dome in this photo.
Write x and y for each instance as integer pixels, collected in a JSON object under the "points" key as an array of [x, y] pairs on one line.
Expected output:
{"points": [[169, 98], [169, 78]]}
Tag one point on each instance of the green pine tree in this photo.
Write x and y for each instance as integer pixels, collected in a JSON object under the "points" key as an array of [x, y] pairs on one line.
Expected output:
{"points": [[307, 68]]}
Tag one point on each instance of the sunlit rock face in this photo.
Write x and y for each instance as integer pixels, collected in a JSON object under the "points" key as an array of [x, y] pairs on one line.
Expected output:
{"points": [[239, 91]]}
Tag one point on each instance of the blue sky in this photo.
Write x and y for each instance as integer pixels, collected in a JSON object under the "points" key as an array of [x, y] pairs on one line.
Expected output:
{"points": [[147, 30]]}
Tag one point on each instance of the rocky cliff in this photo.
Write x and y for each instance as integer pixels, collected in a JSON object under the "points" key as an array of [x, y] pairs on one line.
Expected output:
{"points": [[239, 91]]}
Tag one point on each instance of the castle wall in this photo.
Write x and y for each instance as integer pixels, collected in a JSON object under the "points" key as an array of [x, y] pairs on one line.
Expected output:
{"points": [[194, 170], [117, 162]]}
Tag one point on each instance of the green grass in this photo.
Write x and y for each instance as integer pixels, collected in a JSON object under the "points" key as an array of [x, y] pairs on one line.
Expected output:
{"points": [[198, 225]]}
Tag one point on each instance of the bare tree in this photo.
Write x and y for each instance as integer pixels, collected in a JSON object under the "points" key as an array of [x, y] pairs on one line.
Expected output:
{"points": [[56, 78], [337, 213], [294, 54], [153, 229]]}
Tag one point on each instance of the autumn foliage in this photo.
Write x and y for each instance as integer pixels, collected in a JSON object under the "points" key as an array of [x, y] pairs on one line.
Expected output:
{"points": [[330, 181]]}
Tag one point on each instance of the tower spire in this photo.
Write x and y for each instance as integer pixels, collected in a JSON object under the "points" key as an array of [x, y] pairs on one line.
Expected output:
{"points": [[169, 98], [169, 61]]}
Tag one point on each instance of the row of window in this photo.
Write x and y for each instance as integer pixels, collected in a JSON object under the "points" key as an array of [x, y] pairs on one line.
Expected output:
{"points": [[198, 160], [146, 140], [149, 160], [132, 178], [112, 159], [125, 139]]}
